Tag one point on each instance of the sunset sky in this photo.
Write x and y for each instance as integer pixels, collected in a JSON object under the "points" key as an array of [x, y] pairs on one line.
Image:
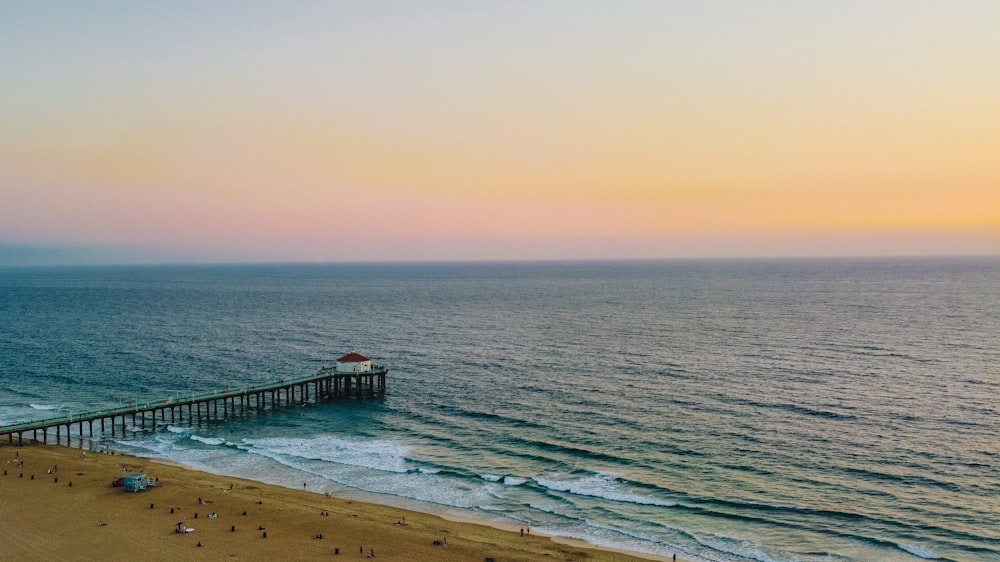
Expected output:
{"points": [[180, 131]]}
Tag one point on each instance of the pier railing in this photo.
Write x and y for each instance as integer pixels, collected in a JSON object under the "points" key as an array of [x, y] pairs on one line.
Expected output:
{"points": [[326, 383]]}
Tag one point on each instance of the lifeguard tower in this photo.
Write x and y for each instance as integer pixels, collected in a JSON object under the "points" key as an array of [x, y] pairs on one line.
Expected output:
{"points": [[136, 482]]}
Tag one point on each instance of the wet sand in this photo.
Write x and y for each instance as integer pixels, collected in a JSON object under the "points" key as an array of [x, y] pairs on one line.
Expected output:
{"points": [[60, 505]]}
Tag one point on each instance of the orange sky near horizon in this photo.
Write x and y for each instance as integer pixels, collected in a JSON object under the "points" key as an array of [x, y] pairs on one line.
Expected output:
{"points": [[348, 125]]}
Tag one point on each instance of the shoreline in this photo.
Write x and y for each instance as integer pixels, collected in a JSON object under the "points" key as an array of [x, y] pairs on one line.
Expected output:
{"points": [[568, 541], [254, 520], [499, 525]]}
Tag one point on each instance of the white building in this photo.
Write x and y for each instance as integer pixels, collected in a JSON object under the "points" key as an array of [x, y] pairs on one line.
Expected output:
{"points": [[354, 363]]}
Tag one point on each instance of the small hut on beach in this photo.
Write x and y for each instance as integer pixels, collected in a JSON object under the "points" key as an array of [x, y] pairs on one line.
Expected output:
{"points": [[136, 481]]}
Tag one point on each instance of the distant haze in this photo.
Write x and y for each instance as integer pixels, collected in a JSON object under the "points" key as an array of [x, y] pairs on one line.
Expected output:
{"points": [[401, 131]]}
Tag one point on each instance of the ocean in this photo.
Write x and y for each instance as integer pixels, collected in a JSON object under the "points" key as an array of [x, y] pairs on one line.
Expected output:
{"points": [[725, 410]]}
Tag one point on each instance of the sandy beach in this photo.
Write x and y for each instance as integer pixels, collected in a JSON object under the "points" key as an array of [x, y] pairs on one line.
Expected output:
{"points": [[57, 503]]}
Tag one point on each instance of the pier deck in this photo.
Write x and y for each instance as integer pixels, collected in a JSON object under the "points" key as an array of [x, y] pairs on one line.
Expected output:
{"points": [[326, 383]]}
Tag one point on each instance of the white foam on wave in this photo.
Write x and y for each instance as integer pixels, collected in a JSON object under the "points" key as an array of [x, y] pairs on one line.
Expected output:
{"points": [[610, 536], [208, 440], [155, 444], [175, 429], [919, 551], [179, 446], [291, 462], [506, 480], [45, 406], [601, 485], [429, 488], [375, 454], [742, 548], [376, 466], [547, 508]]}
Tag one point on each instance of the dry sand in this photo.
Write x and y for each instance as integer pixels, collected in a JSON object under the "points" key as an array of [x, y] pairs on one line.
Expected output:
{"points": [[59, 516]]}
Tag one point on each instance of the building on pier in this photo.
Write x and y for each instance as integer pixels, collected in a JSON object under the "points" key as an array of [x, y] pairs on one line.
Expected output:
{"points": [[354, 363]]}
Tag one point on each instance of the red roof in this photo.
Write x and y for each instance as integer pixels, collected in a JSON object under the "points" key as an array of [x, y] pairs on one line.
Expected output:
{"points": [[353, 358]]}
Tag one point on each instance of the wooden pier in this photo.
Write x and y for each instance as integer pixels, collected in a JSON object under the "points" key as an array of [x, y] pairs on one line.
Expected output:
{"points": [[327, 383]]}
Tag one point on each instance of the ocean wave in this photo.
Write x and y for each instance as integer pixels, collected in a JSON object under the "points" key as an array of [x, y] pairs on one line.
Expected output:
{"points": [[744, 549], [208, 440], [382, 455], [175, 429], [506, 480], [601, 485], [788, 407], [546, 509], [919, 551], [615, 537], [45, 407], [466, 414], [562, 450], [911, 479]]}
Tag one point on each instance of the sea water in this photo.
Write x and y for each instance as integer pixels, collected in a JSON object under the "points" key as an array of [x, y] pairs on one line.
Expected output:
{"points": [[721, 410]]}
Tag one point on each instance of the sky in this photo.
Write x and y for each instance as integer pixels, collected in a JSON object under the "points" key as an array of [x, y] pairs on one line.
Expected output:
{"points": [[243, 131]]}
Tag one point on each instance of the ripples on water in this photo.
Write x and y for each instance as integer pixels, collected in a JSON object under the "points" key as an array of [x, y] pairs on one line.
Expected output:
{"points": [[730, 410]]}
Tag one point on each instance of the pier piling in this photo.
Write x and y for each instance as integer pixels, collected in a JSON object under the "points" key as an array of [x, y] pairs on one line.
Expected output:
{"points": [[328, 384]]}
